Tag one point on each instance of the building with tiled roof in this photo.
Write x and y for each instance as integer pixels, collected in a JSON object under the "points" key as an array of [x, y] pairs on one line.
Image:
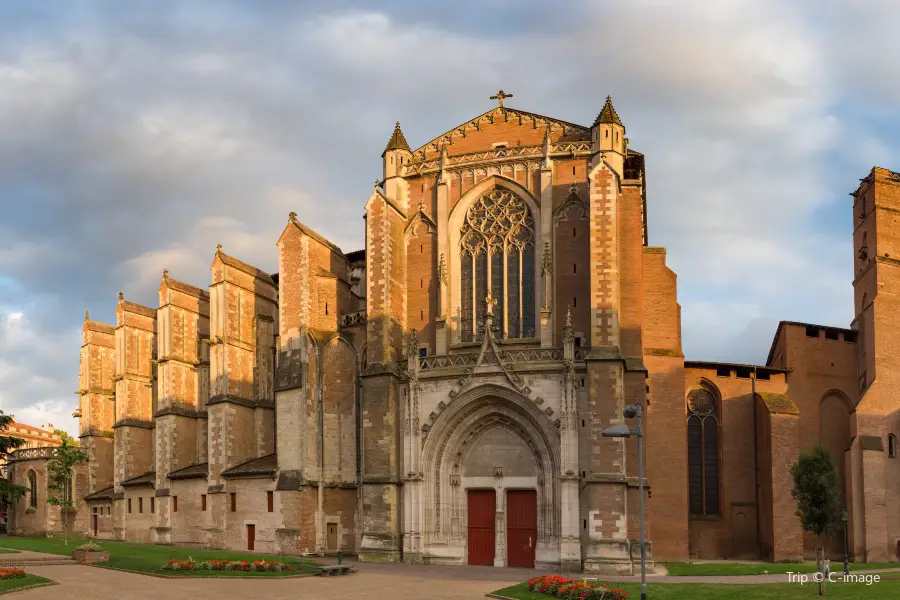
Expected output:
{"points": [[438, 396]]}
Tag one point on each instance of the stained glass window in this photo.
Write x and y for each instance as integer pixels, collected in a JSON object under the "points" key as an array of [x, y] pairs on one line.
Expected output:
{"points": [[703, 453], [512, 301], [497, 256], [466, 287]]}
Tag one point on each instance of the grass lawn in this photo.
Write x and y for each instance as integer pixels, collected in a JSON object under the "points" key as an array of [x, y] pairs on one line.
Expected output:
{"points": [[6, 551], [148, 558], [737, 568], [883, 590], [9, 585]]}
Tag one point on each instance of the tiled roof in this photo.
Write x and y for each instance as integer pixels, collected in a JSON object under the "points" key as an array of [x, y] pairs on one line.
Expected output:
{"points": [[30, 430], [608, 114], [242, 266], [145, 479], [137, 308], [397, 141], [104, 494], [185, 288], [197, 471], [101, 327], [265, 465], [356, 256]]}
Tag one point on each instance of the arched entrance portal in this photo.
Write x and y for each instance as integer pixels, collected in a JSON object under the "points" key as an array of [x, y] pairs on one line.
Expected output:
{"points": [[491, 464]]}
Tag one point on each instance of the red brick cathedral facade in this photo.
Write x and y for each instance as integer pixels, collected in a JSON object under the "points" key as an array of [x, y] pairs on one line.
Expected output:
{"points": [[439, 396]]}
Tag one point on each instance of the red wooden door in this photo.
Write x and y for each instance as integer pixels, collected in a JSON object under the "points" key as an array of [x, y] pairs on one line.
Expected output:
{"points": [[94, 519], [251, 537], [482, 516], [521, 527]]}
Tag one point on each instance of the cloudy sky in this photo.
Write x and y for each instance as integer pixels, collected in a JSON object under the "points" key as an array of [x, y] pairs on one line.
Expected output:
{"points": [[136, 136]]}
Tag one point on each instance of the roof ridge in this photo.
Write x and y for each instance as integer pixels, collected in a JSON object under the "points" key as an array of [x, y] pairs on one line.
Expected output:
{"points": [[237, 263], [504, 109]]}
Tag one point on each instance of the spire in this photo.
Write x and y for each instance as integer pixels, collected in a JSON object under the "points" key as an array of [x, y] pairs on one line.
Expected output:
{"points": [[165, 273], [87, 316], [121, 296], [397, 141], [608, 114]]}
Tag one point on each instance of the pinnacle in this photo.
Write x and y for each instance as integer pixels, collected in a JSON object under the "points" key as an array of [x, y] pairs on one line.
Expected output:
{"points": [[608, 114], [397, 141]]}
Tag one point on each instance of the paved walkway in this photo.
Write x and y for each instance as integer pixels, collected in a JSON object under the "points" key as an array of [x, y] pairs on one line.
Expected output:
{"points": [[372, 582]]}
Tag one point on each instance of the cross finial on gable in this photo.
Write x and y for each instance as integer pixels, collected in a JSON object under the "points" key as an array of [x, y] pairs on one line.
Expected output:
{"points": [[500, 96]]}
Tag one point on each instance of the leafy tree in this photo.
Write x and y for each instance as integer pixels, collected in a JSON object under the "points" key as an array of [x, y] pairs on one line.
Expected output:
{"points": [[9, 492], [817, 492], [59, 475], [66, 437]]}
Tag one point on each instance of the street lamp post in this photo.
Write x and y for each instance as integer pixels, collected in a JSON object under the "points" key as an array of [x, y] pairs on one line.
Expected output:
{"points": [[846, 560], [635, 411]]}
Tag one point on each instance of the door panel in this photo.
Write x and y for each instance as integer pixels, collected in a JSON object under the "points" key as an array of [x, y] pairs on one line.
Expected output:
{"points": [[332, 536], [482, 517], [521, 527], [251, 537]]}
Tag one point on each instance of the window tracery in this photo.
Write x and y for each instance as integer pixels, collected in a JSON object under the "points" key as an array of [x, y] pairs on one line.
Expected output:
{"points": [[703, 453], [497, 257]]}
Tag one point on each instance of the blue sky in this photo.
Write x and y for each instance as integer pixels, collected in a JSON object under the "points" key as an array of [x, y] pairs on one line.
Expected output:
{"points": [[136, 136]]}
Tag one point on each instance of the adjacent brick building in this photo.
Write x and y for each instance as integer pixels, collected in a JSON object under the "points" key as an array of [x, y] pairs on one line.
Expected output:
{"points": [[439, 396]]}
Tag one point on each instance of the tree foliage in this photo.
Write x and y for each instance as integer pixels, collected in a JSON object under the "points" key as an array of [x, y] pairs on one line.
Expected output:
{"points": [[9, 492], [59, 478], [817, 491], [66, 437]]}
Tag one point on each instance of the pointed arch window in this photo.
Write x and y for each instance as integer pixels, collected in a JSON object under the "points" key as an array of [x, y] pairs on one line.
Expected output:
{"points": [[32, 489], [703, 453], [497, 257]]}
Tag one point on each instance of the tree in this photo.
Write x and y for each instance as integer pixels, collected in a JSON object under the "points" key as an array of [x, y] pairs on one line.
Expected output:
{"points": [[817, 492], [66, 437], [9, 492], [59, 475]]}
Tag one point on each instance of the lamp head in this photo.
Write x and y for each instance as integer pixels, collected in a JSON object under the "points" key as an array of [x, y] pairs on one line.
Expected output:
{"points": [[631, 411], [617, 431]]}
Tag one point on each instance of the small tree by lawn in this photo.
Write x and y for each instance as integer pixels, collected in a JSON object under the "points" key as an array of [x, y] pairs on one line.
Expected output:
{"points": [[59, 475], [817, 492], [9, 492]]}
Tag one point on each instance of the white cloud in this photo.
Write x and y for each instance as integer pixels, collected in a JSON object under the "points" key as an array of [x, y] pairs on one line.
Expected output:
{"points": [[130, 148]]}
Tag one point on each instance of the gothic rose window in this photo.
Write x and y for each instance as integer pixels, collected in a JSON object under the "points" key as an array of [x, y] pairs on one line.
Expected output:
{"points": [[703, 453], [496, 247]]}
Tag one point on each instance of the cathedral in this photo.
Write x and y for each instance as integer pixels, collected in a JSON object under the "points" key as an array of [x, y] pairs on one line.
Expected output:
{"points": [[438, 397]]}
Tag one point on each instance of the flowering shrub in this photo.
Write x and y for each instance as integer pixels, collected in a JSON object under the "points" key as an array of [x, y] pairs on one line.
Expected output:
{"points": [[573, 589], [226, 565], [11, 574], [89, 547]]}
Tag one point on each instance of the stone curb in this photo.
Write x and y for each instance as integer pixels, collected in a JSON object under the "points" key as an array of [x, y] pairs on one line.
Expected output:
{"points": [[499, 597], [161, 576], [29, 587]]}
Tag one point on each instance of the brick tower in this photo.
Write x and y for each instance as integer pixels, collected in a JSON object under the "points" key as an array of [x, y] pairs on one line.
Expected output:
{"points": [[876, 245]]}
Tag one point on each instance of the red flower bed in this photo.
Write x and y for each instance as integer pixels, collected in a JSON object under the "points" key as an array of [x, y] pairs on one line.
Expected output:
{"points": [[574, 589], [11, 574], [226, 565]]}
